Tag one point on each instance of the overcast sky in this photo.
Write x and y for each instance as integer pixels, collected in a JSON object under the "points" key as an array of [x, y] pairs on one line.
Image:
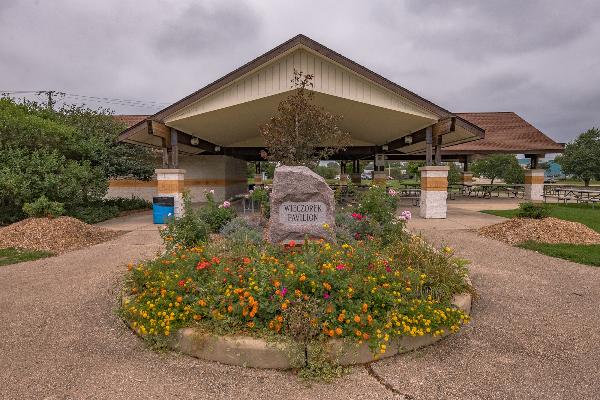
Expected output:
{"points": [[540, 59]]}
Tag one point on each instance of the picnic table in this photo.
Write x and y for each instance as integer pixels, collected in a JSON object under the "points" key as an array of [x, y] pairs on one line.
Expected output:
{"points": [[486, 190], [579, 195]]}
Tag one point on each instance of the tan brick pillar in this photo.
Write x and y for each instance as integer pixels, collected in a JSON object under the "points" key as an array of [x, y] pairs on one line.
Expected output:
{"points": [[343, 179], [355, 178], [534, 185], [434, 191], [170, 182], [258, 180], [466, 178], [379, 177]]}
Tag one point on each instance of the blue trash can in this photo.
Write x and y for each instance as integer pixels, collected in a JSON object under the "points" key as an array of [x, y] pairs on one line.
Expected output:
{"points": [[163, 209]]}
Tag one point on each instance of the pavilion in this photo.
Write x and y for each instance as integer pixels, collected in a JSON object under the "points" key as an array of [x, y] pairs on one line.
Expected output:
{"points": [[208, 137]]}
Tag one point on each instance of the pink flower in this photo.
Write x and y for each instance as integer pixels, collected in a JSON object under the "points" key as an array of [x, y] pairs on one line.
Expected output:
{"points": [[340, 267], [392, 192], [326, 296], [406, 214], [211, 191], [388, 269], [226, 204]]}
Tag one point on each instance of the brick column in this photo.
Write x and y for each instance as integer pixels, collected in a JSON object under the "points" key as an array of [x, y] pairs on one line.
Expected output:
{"points": [[534, 185], [466, 178], [434, 190], [258, 180], [170, 182], [379, 177], [355, 178]]}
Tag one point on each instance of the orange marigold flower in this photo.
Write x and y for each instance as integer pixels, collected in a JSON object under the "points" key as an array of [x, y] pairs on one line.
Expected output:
{"points": [[331, 332], [246, 260], [365, 307], [302, 278], [365, 336], [339, 331], [179, 299], [284, 306], [230, 308], [357, 318], [327, 286], [216, 260], [276, 283], [197, 317], [358, 333], [201, 303]]}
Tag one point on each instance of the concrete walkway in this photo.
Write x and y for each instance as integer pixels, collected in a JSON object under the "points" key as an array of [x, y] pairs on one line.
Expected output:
{"points": [[534, 333]]}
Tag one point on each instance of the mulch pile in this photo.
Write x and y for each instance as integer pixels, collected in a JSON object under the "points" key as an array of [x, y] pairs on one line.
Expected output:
{"points": [[546, 230], [57, 235]]}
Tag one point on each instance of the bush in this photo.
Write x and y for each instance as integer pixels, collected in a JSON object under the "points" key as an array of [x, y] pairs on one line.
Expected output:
{"points": [[378, 204], [187, 231], [216, 215], [531, 210], [102, 210], [43, 207]]}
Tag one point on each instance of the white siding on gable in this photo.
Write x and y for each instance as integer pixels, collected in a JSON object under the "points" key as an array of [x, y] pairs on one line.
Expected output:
{"points": [[276, 77]]}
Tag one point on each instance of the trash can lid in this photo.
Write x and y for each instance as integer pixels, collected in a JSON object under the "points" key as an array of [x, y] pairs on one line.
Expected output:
{"points": [[163, 200]]}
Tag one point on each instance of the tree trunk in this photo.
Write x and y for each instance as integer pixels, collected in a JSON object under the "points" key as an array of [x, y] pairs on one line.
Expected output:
{"points": [[492, 182], [586, 181]]}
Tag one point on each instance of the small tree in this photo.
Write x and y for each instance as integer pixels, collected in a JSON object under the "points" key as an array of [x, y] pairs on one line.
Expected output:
{"points": [[582, 156], [499, 166], [302, 133]]}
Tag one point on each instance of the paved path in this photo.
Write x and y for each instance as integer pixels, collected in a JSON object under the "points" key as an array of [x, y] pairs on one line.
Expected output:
{"points": [[535, 333]]}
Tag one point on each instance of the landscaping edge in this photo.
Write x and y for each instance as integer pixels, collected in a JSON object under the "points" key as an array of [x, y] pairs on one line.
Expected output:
{"points": [[259, 353]]}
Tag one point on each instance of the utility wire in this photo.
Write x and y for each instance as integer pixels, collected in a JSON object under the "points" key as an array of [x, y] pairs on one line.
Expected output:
{"points": [[94, 99]]}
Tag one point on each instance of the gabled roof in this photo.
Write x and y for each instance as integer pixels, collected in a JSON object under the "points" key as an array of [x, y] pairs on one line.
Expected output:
{"points": [[130, 120], [299, 40], [505, 132]]}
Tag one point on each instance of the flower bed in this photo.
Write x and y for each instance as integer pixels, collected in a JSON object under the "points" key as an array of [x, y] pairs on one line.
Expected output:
{"points": [[373, 287]]}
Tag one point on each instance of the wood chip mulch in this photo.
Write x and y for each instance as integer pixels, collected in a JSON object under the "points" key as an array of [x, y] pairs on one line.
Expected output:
{"points": [[546, 230], [57, 235]]}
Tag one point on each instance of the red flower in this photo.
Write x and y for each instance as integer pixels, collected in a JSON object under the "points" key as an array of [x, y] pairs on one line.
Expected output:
{"points": [[181, 283], [340, 267], [216, 260], [202, 265], [246, 260], [291, 243]]}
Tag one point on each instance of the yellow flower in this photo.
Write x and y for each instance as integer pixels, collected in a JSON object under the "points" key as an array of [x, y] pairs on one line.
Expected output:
{"points": [[326, 226]]}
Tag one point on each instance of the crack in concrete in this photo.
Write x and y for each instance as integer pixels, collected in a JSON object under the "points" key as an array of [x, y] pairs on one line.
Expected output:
{"points": [[385, 384]]}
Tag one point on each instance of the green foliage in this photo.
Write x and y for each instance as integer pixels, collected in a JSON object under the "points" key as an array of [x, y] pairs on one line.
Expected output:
{"points": [[302, 133], [328, 172], [240, 232], [531, 210], [102, 210], [13, 256], [499, 166], [377, 204], [216, 215], [189, 230], [454, 174], [582, 156], [412, 168], [67, 155], [43, 207]]}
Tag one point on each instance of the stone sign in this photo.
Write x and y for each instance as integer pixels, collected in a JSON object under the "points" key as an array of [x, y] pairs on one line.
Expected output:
{"points": [[302, 205], [302, 213]]}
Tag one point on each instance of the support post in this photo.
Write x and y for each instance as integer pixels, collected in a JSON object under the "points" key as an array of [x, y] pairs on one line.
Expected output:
{"points": [[165, 153], [379, 175], [258, 178], [534, 185], [174, 149], [355, 177], [438, 150], [428, 145], [434, 191], [343, 175]]}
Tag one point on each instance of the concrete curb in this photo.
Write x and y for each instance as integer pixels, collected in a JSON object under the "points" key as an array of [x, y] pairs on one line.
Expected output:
{"points": [[259, 353]]}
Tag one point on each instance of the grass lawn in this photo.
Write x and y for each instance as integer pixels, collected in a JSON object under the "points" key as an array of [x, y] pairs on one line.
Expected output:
{"points": [[13, 256], [582, 253], [582, 213]]}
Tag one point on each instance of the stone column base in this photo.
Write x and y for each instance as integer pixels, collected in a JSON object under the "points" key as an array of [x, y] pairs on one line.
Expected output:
{"points": [[534, 185], [379, 177], [343, 179], [258, 180], [466, 178], [434, 191], [356, 178], [170, 182]]}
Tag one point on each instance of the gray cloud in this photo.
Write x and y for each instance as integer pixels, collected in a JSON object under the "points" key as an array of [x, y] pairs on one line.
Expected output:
{"points": [[537, 58]]}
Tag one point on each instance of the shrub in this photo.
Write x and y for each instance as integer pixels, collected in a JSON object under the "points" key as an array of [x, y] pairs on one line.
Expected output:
{"points": [[42, 207], [187, 231], [102, 210], [378, 204], [531, 210], [216, 215]]}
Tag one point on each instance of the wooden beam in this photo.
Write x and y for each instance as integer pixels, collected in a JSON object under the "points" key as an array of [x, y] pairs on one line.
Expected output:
{"points": [[440, 128], [161, 130]]}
